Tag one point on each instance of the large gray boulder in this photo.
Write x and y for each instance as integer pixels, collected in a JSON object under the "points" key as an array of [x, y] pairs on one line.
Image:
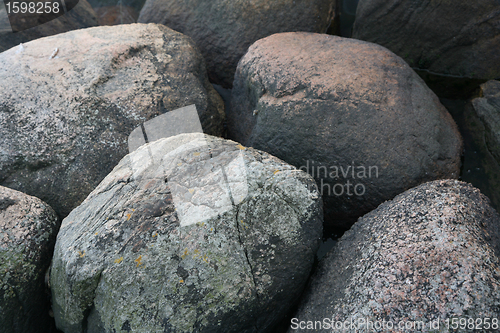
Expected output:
{"points": [[459, 38], [187, 234], [28, 232], [70, 101], [351, 113], [424, 258], [224, 29], [81, 16]]}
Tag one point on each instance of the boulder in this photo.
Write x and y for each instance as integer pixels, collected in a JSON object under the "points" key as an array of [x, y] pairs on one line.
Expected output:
{"points": [[420, 260], [453, 38], [487, 108], [351, 113], [189, 233], [482, 125], [28, 233], [81, 16], [224, 29], [70, 101]]}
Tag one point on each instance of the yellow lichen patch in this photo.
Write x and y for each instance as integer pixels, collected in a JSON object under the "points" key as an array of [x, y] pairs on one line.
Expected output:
{"points": [[275, 172], [241, 147], [181, 281], [191, 191], [155, 234], [244, 224], [179, 164], [205, 258], [81, 254], [138, 261], [211, 229], [96, 233], [186, 252], [119, 260], [196, 153], [128, 216]]}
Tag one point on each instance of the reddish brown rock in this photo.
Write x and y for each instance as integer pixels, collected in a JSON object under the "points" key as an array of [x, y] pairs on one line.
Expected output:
{"points": [[224, 29], [430, 254], [113, 15], [351, 113]]}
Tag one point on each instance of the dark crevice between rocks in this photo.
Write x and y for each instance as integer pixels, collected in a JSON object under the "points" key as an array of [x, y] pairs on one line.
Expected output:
{"points": [[240, 239]]}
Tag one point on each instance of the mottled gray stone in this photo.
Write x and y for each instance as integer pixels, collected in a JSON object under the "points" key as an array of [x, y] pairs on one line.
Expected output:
{"points": [[190, 233], [429, 254], [28, 229], [70, 101], [224, 29], [323, 102]]}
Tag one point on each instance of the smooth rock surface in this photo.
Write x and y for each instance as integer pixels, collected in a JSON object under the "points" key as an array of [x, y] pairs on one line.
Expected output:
{"points": [[352, 113], [429, 254], [224, 29], [81, 16], [28, 233], [459, 38], [187, 234], [70, 101]]}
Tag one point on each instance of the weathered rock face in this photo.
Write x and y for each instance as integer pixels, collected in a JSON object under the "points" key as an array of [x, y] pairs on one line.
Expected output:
{"points": [[460, 38], [69, 103], [482, 124], [430, 253], [187, 234], [350, 112], [224, 29], [81, 16], [487, 108], [28, 233]]}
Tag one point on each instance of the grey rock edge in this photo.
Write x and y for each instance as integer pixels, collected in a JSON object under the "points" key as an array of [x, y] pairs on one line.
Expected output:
{"points": [[459, 38], [429, 254], [28, 233], [487, 108], [320, 101], [125, 260], [70, 101], [224, 29]]}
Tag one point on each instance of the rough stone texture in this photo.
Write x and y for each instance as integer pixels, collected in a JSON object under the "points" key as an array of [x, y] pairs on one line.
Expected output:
{"points": [[487, 107], [482, 123], [113, 15], [460, 38], [28, 233], [343, 103], [430, 253], [81, 16], [174, 242], [224, 29], [65, 121]]}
